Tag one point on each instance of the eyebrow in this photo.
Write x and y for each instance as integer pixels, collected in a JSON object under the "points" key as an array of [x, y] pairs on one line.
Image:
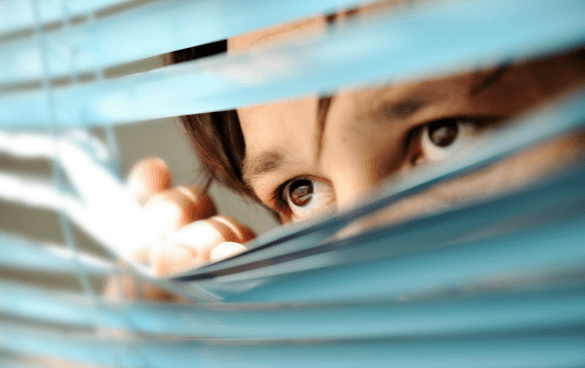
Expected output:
{"points": [[262, 164], [378, 109], [271, 161], [490, 79], [404, 108]]}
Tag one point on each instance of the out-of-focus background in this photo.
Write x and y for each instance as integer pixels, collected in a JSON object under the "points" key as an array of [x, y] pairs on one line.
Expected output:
{"points": [[162, 138]]}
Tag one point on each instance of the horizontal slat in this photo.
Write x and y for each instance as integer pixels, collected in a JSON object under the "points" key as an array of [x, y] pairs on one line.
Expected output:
{"points": [[21, 254], [107, 225], [18, 15], [43, 145], [30, 191], [18, 362], [453, 37], [516, 260], [22, 300], [539, 351], [439, 316], [147, 31], [559, 202], [38, 342]]}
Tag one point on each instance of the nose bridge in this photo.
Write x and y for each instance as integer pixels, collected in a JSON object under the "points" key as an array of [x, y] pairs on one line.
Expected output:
{"points": [[358, 150], [352, 181]]}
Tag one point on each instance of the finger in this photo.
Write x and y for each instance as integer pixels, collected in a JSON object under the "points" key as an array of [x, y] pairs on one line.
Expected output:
{"points": [[191, 246], [225, 250], [148, 177], [166, 213], [124, 287], [170, 210], [236, 230]]}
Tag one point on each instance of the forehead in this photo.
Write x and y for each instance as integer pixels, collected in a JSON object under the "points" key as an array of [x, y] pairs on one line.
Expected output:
{"points": [[277, 35], [308, 27], [268, 128]]}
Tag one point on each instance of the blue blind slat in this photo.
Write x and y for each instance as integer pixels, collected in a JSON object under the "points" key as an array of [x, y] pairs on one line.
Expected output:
{"points": [[148, 31], [463, 36], [21, 254], [486, 222], [546, 350], [519, 257], [507, 312], [18, 15], [25, 301]]}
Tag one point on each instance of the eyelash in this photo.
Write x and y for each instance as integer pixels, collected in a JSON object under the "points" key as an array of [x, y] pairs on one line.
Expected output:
{"points": [[480, 122], [278, 200]]}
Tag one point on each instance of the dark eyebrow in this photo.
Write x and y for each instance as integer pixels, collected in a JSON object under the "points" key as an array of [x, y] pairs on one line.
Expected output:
{"points": [[403, 109], [264, 163], [322, 110], [271, 161], [490, 79]]}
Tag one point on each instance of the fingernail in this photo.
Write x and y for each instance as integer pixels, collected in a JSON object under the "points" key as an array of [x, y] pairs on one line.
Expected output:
{"points": [[225, 250]]}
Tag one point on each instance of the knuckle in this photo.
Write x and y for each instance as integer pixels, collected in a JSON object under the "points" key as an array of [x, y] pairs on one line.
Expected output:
{"points": [[232, 229]]}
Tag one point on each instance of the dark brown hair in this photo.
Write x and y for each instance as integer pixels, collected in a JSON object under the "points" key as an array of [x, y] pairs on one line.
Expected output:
{"points": [[216, 136]]}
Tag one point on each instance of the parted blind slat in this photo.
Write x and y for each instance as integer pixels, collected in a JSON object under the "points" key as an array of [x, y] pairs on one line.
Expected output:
{"points": [[148, 31], [18, 15], [463, 36], [460, 296], [411, 239], [537, 253]]}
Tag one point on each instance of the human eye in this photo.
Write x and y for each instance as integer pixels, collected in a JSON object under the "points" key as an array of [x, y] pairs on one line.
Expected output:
{"points": [[445, 138], [303, 197]]}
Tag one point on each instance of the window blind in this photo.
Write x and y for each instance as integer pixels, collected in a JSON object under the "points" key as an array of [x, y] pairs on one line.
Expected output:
{"points": [[431, 291]]}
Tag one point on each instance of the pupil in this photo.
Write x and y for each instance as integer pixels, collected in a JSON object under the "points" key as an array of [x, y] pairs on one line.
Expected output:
{"points": [[443, 133], [301, 192]]}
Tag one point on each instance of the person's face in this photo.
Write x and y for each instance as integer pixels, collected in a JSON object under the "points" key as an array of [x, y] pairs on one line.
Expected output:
{"points": [[310, 155]]}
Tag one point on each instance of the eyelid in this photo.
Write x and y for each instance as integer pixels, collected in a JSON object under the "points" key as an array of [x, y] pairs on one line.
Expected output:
{"points": [[279, 201], [480, 121]]}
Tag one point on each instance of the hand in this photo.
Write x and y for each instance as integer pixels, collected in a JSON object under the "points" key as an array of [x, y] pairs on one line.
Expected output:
{"points": [[182, 223]]}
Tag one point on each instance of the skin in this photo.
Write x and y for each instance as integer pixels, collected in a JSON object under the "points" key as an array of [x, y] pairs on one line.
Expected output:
{"points": [[368, 136]]}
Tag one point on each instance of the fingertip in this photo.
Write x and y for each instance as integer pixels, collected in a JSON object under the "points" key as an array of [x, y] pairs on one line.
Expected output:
{"points": [[148, 177], [203, 205], [141, 253], [172, 258], [232, 229], [172, 209], [225, 250]]}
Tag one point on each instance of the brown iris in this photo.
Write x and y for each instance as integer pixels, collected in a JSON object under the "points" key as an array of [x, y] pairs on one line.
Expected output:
{"points": [[443, 132], [300, 192]]}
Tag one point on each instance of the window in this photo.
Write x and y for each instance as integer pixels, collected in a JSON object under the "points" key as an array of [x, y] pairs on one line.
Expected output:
{"points": [[489, 279]]}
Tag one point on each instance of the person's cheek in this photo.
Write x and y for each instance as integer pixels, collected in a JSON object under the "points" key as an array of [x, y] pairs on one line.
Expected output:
{"points": [[523, 169]]}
